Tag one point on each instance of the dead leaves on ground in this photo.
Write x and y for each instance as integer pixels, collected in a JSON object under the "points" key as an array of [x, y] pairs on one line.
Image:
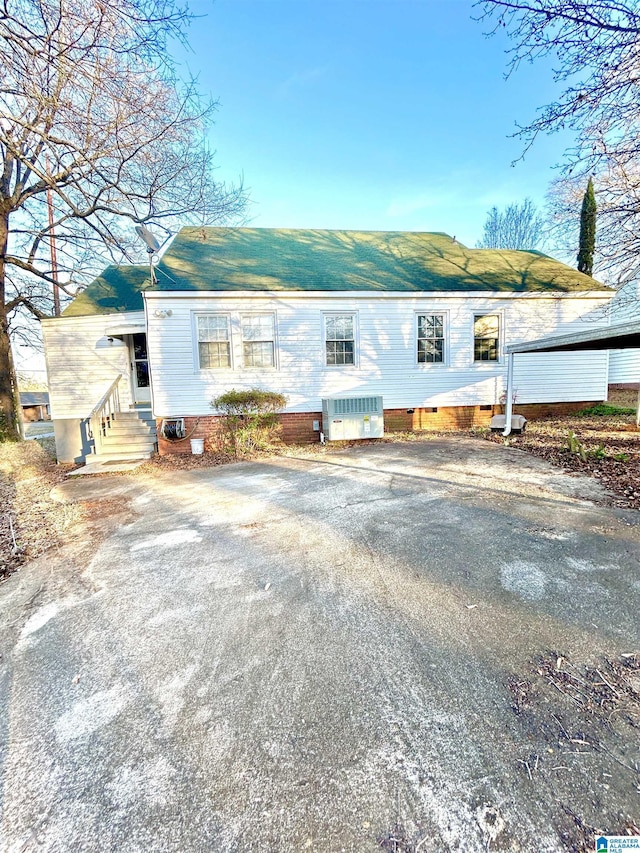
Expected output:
{"points": [[30, 522]]}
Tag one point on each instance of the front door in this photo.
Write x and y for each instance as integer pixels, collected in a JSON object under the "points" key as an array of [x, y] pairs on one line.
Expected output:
{"points": [[139, 368]]}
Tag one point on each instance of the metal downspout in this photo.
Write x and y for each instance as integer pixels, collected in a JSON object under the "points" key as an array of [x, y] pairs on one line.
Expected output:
{"points": [[508, 409]]}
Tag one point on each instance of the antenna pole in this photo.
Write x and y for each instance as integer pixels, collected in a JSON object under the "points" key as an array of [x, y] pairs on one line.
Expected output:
{"points": [[152, 273]]}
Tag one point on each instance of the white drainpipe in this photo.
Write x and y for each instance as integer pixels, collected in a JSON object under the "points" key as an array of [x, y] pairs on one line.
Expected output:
{"points": [[509, 401]]}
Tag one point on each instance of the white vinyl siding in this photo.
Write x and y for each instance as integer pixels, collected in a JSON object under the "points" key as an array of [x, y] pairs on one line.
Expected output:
{"points": [[624, 364], [385, 350], [82, 361]]}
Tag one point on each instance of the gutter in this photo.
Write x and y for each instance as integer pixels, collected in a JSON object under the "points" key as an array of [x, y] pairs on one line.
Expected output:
{"points": [[508, 412]]}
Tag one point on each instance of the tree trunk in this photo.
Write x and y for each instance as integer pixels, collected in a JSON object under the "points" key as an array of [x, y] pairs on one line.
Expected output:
{"points": [[9, 422]]}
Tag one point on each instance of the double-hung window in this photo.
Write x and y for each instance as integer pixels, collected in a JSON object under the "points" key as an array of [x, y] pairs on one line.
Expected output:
{"points": [[258, 340], [214, 341], [486, 337], [340, 340], [430, 338]]}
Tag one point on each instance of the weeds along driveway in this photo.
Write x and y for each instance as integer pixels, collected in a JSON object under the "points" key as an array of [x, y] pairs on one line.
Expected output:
{"points": [[392, 647]]}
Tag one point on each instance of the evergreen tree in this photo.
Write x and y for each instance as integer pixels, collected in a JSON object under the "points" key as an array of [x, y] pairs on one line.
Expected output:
{"points": [[587, 231]]}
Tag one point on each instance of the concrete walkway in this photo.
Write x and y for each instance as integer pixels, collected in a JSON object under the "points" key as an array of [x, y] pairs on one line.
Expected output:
{"points": [[346, 651]]}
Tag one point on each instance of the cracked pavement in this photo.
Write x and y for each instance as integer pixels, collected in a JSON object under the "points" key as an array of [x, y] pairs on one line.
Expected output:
{"points": [[314, 652]]}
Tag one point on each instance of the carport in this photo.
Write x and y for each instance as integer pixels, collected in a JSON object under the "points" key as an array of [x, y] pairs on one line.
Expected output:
{"points": [[620, 336]]}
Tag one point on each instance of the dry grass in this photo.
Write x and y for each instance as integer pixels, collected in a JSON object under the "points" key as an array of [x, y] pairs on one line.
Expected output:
{"points": [[30, 522]]}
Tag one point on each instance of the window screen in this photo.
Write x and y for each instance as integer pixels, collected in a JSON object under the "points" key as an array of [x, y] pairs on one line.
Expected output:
{"points": [[340, 339], [258, 340], [486, 337], [214, 344], [430, 338]]}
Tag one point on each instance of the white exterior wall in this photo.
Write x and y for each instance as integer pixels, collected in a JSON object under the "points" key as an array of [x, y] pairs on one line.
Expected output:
{"points": [[624, 364], [82, 363], [385, 350]]}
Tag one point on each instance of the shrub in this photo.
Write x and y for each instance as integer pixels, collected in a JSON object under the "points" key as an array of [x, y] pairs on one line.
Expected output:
{"points": [[250, 419]]}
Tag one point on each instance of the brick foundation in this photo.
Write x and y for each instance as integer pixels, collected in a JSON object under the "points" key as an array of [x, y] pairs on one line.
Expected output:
{"points": [[297, 427], [466, 417]]}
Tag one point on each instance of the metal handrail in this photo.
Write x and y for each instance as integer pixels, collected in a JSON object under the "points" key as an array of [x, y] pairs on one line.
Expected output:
{"points": [[103, 414]]}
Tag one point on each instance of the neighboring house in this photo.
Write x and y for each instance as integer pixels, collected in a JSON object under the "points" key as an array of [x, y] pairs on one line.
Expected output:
{"points": [[34, 405], [416, 318], [624, 364]]}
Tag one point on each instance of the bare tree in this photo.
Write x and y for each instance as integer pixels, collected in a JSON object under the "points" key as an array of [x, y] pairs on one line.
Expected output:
{"points": [[615, 260], [93, 116], [618, 198], [29, 382], [596, 50], [518, 226]]}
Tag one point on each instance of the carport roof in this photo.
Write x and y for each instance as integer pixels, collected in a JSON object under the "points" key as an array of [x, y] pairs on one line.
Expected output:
{"points": [[619, 336], [34, 398]]}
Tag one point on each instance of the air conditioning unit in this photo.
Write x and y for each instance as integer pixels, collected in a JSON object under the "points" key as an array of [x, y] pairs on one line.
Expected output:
{"points": [[347, 418]]}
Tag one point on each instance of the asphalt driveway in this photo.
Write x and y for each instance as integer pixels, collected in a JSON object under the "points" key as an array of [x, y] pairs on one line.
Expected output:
{"points": [[391, 647]]}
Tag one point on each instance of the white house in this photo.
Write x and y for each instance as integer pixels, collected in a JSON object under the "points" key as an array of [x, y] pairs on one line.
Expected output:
{"points": [[416, 318], [624, 364]]}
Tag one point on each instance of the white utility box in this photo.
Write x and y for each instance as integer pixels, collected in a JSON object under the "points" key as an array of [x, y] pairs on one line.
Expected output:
{"points": [[347, 418], [518, 423]]}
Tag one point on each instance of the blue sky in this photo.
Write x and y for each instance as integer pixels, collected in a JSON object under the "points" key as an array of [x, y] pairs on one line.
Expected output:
{"points": [[369, 114], [366, 114]]}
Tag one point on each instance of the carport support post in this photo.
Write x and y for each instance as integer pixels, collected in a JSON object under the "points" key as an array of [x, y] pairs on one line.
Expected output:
{"points": [[508, 409]]}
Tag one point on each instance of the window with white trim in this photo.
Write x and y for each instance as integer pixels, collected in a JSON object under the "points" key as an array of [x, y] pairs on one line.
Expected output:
{"points": [[430, 339], [258, 340], [340, 339], [214, 341], [486, 337]]}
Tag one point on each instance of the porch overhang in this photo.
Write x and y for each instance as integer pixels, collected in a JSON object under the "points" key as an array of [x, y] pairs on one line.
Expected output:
{"points": [[120, 329]]}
